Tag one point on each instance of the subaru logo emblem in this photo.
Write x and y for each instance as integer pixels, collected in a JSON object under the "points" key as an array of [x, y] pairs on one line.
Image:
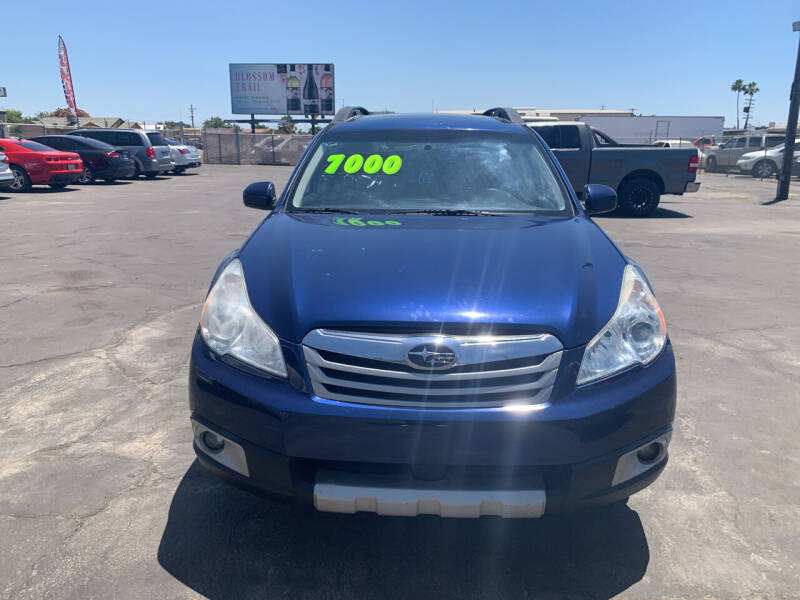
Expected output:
{"points": [[432, 356]]}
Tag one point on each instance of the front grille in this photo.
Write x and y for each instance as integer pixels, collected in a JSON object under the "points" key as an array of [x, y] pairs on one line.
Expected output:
{"points": [[371, 368]]}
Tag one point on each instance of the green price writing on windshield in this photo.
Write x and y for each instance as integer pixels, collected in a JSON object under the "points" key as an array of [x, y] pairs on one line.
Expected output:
{"points": [[372, 164]]}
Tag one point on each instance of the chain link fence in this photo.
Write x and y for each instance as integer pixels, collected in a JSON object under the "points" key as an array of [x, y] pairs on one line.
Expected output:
{"points": [[233, 147]]}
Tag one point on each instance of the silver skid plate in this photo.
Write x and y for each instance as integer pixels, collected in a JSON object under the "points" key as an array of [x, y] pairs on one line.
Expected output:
{"points": [[391, 495]]}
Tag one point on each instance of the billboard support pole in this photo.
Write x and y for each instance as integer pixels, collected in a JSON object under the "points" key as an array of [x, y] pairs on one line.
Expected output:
{"points": [[238, 147], [252, 123], [791, 129]]}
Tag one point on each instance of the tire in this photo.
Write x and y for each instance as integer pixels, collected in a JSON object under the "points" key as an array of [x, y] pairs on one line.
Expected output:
{"points": [[178, 171], [137, 172], [639, 197], [57, 186], [22, 183], [151, 175], [763, 169], [87, 176], [109, 179]]}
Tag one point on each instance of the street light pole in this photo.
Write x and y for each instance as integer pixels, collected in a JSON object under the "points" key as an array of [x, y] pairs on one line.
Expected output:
{"points": [[791, 128]]}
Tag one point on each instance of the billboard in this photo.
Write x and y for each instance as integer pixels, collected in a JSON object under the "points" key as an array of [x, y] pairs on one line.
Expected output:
{"points": [[282, 89]]}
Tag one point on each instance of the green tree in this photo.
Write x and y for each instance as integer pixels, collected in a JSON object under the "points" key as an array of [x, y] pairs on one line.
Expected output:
{"points": [[215, 122], [751, 89], [41, 114], [738, 87], [286, 125], [176, 124], [14, 116]]}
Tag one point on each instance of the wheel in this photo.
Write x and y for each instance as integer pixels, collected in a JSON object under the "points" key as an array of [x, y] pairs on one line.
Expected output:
{"points": [[87, 176], [151, 175], [639, 197], [137, 172], [57, 186], [711, 164], [22, 183], [178, 171], [763, 169]]}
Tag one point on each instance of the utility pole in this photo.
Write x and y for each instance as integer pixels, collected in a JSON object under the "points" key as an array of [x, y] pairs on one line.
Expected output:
{"points": [[791, 128], [191, 113]]}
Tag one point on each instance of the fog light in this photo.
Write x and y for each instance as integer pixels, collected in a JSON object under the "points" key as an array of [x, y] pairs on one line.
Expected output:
{"points": [[212, 441], [649, 453]]}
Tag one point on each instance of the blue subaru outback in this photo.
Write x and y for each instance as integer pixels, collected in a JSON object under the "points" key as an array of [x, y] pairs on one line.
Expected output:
{"points": [[428, 322]]}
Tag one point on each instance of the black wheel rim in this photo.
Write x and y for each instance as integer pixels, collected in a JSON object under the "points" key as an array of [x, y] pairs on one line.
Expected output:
{"points": [[641, 198]]}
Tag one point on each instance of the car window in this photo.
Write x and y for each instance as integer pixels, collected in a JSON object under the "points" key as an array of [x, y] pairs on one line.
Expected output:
{"points": [[89, 143], [62, 143], [128, 138], [754, 143], [103, 136], [430, 170], [775, 140], [157, 139], [549, 135], [741, 142], [36, 146], [570, 136]]}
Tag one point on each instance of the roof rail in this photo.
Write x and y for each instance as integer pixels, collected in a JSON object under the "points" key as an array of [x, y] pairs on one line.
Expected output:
{"points": [[349, 112], [506, 113]]}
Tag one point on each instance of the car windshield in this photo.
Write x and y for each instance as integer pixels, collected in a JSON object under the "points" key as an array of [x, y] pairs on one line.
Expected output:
{"points": [[435, 171]]}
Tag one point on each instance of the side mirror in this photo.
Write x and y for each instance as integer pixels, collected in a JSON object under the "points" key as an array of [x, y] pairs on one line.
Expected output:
{"points": [[599, 199], [261, 195]]}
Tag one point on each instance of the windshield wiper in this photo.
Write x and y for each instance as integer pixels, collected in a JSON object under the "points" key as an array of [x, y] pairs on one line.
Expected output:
{"points": [[448, 212], [325, 210]]}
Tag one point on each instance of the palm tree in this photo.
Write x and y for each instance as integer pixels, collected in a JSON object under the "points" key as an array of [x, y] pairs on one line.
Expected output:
{"points": [[751, 89], [738, 87]]}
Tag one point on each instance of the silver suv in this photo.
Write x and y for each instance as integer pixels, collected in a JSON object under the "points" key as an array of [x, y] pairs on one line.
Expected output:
{"points": [[149, 150], [730, 151]]}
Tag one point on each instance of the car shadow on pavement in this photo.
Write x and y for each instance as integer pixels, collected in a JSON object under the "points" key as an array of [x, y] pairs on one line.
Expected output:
{"points": [[659, 213], [48, 190], [226, 543]]}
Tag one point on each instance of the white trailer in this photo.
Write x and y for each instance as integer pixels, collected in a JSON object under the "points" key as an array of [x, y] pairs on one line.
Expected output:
{"points": [[645, 130]]}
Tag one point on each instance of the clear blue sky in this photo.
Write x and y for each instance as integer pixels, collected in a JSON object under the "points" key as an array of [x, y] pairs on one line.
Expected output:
{"points": [[149, 61]]}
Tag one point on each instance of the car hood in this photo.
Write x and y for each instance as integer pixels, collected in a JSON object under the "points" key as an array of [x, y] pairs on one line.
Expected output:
{"points": [[502, 274]]}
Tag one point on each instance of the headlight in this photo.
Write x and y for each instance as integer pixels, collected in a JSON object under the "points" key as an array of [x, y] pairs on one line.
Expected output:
{"points": [[229, 325], [636, 334]]}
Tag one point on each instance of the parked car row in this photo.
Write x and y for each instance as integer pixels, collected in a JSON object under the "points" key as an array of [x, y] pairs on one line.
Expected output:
{"points": [[725, 155], [85, 155]]}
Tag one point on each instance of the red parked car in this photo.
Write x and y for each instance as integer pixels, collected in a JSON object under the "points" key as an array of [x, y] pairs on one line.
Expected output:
{"points": [[33, 163]]}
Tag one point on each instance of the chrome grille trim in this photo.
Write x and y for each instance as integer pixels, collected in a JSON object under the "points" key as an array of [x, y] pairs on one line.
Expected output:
{"points": [[380, 386]]}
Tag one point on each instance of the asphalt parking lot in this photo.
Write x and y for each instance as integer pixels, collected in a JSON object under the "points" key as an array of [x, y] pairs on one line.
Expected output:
{"points": [[100, 496]]}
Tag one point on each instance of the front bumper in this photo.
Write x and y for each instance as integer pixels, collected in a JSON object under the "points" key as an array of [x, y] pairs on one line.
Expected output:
{"points": [[344, 457], [745, 166]]}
